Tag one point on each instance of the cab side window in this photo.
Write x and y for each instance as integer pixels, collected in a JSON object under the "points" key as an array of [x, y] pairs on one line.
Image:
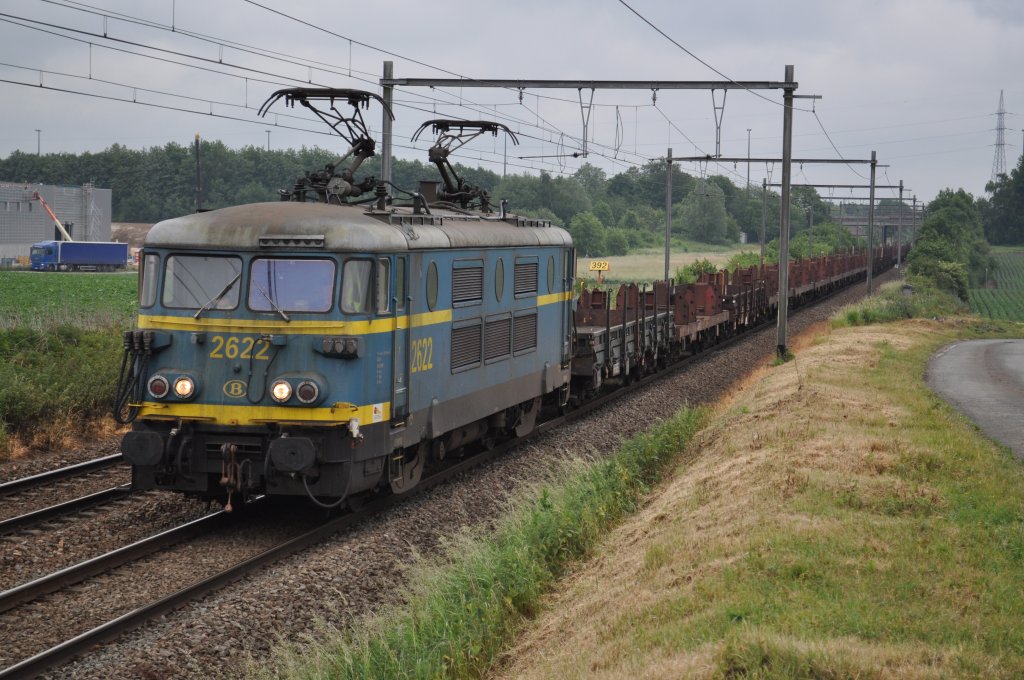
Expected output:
{"points": [[355, 286], [383, 285], [400, 282]]}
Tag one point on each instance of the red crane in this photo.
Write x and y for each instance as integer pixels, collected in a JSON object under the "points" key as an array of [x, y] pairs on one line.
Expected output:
{"points": [[60, 225]]}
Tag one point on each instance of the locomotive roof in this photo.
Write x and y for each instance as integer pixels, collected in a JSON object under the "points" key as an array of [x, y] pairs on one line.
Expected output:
{"points": [[348, 228]]}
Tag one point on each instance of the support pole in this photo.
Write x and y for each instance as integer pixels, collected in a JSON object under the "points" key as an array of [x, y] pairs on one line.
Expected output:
{"points": [[810, 232], [668, 208], [748, 159], [199, 179], [899, 235], [871, 224], [764, 217], [787, 157], [385, 146], [913, 220]]}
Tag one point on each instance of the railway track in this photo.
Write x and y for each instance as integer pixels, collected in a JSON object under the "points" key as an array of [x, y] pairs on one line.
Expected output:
{"points": [[32, 501], [34, 518], [24, 484], [116, 627], [137, 617]]}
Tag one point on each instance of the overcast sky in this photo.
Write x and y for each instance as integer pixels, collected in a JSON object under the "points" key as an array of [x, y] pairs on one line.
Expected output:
{"points": [[918, 81]]}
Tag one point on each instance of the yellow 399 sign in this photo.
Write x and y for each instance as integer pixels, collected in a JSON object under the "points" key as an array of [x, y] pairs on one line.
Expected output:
{"points": [[599, 266]]}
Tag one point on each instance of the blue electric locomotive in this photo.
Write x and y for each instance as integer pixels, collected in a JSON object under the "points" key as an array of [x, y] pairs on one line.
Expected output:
{"points": [[304, 348], [327, 345]]}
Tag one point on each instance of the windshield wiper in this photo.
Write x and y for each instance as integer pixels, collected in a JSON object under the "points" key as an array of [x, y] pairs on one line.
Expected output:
{"points": [[215, 299], [272, 303]]}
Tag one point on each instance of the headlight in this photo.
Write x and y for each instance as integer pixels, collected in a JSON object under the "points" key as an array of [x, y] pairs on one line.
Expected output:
{"points": [[158, 386], [281, 391], [307, 392], [184, 387]]}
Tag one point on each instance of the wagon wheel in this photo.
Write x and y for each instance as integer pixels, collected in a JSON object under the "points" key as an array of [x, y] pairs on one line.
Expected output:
{"points": [[405, 468]]}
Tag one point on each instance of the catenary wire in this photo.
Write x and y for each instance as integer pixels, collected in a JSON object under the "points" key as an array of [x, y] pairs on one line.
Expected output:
{"points": [[235, 66]]}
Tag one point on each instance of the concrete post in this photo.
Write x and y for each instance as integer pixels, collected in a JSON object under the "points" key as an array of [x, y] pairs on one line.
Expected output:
{"points": [[899, 235], [385, 146], [668, 208], [787, 158], [871, 223], [764, 216]]}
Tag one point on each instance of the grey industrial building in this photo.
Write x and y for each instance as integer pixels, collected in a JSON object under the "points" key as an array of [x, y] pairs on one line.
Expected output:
{"points": [[23, 221]]}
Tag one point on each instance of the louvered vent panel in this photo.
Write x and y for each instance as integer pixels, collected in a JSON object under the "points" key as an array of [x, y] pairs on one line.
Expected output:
{"points": [[497, 338], [465, 346], [526, 278], [467, 284], [524, 333]]}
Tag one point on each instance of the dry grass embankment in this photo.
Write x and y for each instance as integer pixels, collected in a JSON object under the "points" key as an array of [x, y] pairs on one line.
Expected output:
{"points": [[840, 521]]}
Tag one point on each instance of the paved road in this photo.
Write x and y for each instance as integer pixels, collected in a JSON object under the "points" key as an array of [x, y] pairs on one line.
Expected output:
{"points": [[985, 380]]}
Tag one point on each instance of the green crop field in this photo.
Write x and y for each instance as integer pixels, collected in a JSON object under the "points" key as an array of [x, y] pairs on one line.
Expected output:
{"points": [[1006, 301], [43, 300]]}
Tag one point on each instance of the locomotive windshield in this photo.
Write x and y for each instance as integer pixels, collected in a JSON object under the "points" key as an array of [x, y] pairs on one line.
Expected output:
{"points": [[194, 281], [291, 285]]}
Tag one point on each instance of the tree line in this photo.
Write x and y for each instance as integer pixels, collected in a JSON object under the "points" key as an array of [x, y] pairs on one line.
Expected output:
{"points": [[607, 215], [950, 248], [1003, 213]]}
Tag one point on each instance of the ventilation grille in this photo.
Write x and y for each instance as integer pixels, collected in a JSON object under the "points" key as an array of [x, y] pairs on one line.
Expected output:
{"points": [[467, 284], [465, 346], [287, 241], [524, 335], [497, 338], [526, 278]]}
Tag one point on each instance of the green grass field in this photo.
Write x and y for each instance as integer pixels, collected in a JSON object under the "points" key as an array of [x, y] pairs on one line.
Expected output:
{"points": [[60, 345], [42, 300], [648, 264], [1006, 301]]}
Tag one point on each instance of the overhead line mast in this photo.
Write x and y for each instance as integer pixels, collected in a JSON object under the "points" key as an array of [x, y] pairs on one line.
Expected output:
{"points": [[788, 87]]}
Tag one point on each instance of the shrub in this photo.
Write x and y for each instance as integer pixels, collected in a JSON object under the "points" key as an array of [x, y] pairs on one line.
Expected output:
{"points": [[891, 303], [692, 271], [48, 376], [743, 260]]}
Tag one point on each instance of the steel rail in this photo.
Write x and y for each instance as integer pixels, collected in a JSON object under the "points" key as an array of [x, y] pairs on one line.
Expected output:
{"points": [[77, 573], [28, 519], [18, 485], [134, 619]]}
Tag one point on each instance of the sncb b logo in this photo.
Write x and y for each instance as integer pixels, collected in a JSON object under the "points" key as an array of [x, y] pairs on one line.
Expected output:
{"points": [[235, 389]]}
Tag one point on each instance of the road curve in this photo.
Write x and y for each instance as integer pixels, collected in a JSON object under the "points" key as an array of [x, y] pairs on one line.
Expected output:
{"points": [[985, 380]]}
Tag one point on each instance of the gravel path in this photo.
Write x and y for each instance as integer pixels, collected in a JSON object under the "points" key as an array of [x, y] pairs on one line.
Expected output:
{"points": [[357, 571]]}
